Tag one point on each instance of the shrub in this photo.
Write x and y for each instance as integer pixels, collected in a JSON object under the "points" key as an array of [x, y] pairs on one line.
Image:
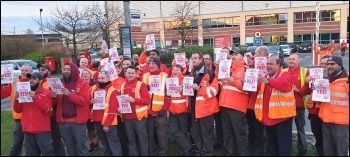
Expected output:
{"points": [[39, 56]]}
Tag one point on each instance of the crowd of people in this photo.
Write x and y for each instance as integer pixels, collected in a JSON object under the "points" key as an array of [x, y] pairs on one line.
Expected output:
{"points": [[259, 121]]}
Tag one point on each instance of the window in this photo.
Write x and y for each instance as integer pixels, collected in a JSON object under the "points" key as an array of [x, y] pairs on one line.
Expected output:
{"points": [[228, 22], [249, 20], [221, 22], [298, 38], [208, 42], [144, 27], [235, 22], [257, 20], [302, 17], [206, 23], [168, 25], [194, 24], [307, 37], [330, 15], [335, 37], [236, 41], [156, 26], [265, 19], [283, 38], [213, 23], [324, 38], [151, 26], [282, 18]]}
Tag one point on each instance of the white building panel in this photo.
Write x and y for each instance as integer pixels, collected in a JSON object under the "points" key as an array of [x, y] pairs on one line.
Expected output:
{"points": [[215, 7], [169, 7], [149, 9], [264, 5], [298, 4], [331, 2], [346, 1]]}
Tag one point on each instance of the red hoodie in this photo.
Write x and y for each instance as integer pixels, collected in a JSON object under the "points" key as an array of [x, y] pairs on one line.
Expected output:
{"points": [[79, 97], [97, 115], [36, 114], [6, 90], [129, 89]]}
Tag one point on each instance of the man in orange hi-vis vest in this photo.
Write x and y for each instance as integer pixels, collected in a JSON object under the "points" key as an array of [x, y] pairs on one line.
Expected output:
{"points": [[203, 106], [325, 50], [275, 108], [106, 115]]}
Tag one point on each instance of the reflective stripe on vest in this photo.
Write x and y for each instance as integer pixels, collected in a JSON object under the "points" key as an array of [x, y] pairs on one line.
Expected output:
{"points": [[141, 110], [106, 110], [281, 104], [15, 115], [157, 99], [233, 89], [302, 75]]}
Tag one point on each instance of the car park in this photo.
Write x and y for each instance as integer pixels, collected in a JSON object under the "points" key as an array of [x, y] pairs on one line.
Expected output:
{"points": [[286, 49], [17, 64]]}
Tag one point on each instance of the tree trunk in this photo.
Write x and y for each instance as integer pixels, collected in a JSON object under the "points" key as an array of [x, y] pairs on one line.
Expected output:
{"points": [[74, 55]]}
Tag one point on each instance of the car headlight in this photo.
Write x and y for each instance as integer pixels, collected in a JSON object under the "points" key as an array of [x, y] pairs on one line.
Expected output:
{"points": [[309, 47], [301, 47]]}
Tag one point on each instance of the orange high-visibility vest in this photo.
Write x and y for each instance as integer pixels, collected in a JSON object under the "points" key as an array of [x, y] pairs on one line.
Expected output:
{"points": [[281, 105], [206, 101], [15, 115], [45, 84], [336, 111], [141, 110], [178, 103], [157, 99], [106, 111]]}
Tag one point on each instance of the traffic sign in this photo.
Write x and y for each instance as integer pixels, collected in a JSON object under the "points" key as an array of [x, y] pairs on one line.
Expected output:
{"points": [[257, 42], [257, 34]]}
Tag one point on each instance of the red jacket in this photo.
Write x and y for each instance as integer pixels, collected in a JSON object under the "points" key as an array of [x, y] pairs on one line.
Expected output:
{"points": [[80, 98], [343, 45], [129, 88], [163, 68], [36, 114], [296, 81], [6, 91], [97, 115], [282, 83]]}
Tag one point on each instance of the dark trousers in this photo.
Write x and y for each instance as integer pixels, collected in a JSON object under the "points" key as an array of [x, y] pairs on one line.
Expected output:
{"points": [[316, 128], [279, 138], [218, 129], [256, 133], [342, 50], [122, 136], [335, 139], [136, 131], [110, 140], [202, 133], [299, 120], [157, 126], [58, 148], [17, 139], [37, 144], [235, 131], [74, 136], [178, 125]]}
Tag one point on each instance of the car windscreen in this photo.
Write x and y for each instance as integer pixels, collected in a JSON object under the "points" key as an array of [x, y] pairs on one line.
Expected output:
{"points": [[30, 63], [251, 48], [274, 48], [284, 46], [305, 44]]}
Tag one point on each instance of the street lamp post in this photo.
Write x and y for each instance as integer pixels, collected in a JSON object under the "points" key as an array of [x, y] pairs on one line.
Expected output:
{"points": [[42, 28]]}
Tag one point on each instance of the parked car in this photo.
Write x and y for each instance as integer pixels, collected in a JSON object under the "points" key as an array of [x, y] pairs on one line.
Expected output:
{"points": [[275, 50], [287, 50], [306, 47], [251, 48], [17, 64]]}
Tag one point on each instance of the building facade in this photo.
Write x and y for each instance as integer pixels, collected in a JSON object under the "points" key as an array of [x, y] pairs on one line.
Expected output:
{"points": [[278, 21]]}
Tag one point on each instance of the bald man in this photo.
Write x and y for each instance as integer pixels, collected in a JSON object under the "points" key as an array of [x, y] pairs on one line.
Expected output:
{"points": [[299, 75], [83, 64]]}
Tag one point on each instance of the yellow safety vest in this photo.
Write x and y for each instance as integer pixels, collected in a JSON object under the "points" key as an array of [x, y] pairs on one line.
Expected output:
{"points": [[157, 99]]}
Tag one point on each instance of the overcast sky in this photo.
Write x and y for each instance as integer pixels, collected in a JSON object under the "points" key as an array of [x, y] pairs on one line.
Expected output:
{"points": [[20, 14]]}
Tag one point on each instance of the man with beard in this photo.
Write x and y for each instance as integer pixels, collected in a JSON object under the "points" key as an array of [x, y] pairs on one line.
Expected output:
{"points": [[105, 117], [72, 111], [324, 50], [125, 64], [18, 137], [58, 148], [203, 105], [36, 118]]}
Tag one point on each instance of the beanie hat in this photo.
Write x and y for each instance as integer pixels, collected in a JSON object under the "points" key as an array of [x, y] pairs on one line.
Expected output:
{"points": [[337, 60], [155, 60]]}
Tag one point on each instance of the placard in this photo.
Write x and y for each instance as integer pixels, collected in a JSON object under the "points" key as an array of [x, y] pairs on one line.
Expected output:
{"points": [[180, 58], [23, 89], [171, 85], [251, 80], [187, 86], [224, 69], [55, 85], [150, 42], [100, 100], [6, 73], [260, 64], [155, 84], [124, 104], [321, 92]]}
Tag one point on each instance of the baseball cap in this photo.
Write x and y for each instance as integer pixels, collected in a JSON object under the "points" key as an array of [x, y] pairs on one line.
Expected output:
{"points": [[236, 50], [35, 75], [43, 66]]}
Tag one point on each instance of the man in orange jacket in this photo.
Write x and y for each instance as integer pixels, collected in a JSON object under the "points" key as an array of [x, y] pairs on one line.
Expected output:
{"points": [[275, 108], [325, 50], [233, 113]]}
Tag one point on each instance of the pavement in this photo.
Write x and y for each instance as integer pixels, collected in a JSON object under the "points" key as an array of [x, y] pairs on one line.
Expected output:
{"points": [[306, 60]]}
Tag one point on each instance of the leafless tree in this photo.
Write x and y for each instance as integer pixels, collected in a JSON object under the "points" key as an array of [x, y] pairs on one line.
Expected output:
{"points": [[186, 19], [14, 47], [71, 22], [105, 19]]}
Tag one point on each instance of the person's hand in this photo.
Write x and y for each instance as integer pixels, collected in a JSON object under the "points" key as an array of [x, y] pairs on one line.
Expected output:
{"points": [[262, 79], [53, 94], [16, 95], [93, 100], [295, 88], [32, 94], [178, 89], [229, 79], [308, 79], [120, 110], [195, 86], [65, 91], [130, 99], [105, 128]]}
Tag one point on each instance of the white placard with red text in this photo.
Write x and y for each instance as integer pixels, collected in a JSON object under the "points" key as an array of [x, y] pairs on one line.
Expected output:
{"points": [[150, 42], [23, 89], [321, 92], [155, 84], [220, 56], [113, 54], [224, 69], [124, 104], [104, 61], [180, 58], [100, 100], [110, 68], [55, 85], [104, 47], [171, 85], [260, 64], [190, 65], [6, 73], [251, 80], [315, 73], [187, 86]]}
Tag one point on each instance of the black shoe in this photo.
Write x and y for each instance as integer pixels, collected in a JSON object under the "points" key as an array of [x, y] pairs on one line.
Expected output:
{"points": [[217, 146], [190, 152], [97, 146], [302, 153], [92, 147]]}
